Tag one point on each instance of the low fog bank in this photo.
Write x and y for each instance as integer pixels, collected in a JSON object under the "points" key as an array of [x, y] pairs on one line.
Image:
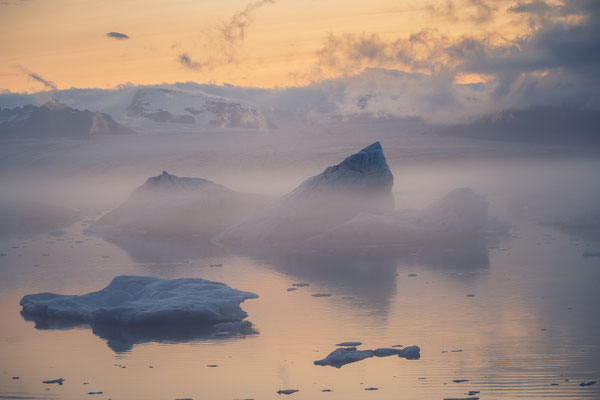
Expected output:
{"points": [[88, 178]]}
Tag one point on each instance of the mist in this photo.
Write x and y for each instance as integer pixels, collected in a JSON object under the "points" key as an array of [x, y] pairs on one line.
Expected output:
{"points": [[409, 207]]}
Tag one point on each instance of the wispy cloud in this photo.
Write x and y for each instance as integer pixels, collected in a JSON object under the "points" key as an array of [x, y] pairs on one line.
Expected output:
{"points": [[187, 62], [484, 11], [47, 83], [225, 43], [474, 11], [233, 32], [117, 35]]}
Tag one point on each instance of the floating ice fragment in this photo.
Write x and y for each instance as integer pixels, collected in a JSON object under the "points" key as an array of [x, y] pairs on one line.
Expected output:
{"points": [[59, 381], [346, 355], [287, 391]]}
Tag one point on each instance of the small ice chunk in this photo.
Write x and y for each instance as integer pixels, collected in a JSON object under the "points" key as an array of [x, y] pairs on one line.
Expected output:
{"points": [[59, 381], [291, 289], [346, 355], [462, 398], [343, 356], [460, 380], [287, 391], [590, 383], [349, 344], [371, 388], [386, 352], [326, 390]]}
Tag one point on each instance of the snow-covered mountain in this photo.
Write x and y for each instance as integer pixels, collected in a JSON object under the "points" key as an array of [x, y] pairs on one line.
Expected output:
{"points": [[167, 205], [400, 101], [191, 108], [54, 119]]}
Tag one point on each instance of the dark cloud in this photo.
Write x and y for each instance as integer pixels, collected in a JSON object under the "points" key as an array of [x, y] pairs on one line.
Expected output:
{"points": [[117, 35], [535, 7], [555, 63], [48, 84]]}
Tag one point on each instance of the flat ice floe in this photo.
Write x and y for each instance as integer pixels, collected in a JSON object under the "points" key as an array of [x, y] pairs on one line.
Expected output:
{"points": [[137, 309]]}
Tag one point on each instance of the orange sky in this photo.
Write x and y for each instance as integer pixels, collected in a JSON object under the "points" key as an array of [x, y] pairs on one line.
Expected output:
{"points": [[65, 42]]}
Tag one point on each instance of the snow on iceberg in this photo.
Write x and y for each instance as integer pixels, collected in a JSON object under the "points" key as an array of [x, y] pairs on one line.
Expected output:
{"points": [[168, 205], [145, 300], [361, 182], [340, 357]]}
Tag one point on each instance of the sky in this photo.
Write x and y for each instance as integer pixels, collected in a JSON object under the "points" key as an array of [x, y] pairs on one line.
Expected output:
{"points": [[443, 61], [61, 44]]}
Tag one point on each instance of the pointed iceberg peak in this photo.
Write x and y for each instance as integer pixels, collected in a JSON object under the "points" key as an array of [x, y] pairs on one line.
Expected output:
{"points": [[368, 160], [373, 147], [362, 173], [167, 184]]}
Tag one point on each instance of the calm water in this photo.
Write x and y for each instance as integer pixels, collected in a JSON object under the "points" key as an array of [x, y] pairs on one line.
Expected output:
{"points": [[533, 321]]}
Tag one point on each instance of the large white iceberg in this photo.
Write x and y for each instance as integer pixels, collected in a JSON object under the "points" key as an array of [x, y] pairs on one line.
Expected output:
{"points": [[168, 205], [361, 182], [144, 301]]}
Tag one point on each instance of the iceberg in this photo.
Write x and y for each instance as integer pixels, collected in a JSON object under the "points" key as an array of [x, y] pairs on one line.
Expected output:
{"points": [[361, 182], [350, 207], [168, 205], [459, 217], [145, 300], [137, 309]]}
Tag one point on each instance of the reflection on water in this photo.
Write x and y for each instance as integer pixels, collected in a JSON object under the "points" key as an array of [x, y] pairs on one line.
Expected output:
{"points": [[146, 248], [122, 338], [514, 318]]}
